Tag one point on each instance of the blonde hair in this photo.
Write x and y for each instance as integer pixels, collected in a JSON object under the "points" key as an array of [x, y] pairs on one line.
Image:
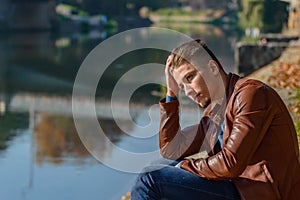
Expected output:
{"points": [[190, 52]]}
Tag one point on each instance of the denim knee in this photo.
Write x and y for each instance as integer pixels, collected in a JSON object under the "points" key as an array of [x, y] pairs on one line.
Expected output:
{"points": [[144, 186]]}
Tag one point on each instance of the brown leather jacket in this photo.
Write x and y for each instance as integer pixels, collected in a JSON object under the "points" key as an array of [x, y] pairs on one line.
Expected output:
{"points": [[259, 152]]}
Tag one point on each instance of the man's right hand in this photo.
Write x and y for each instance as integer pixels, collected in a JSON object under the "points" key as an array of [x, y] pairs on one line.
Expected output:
{"points": [[172, 86]]}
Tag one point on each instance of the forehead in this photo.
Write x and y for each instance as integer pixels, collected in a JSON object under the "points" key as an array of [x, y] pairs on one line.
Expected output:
{"points": [[182, 70]]}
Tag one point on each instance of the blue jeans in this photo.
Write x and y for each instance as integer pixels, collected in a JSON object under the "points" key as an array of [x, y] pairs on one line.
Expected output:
{"points": [[165, 181]]}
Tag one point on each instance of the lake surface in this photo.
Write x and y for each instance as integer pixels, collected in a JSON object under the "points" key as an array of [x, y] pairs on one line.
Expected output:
{"points": [[42, 156]]}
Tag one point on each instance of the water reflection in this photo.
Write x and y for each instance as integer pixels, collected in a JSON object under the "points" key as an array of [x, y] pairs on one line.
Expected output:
{"points": [[48, 62], [56, 139], [11, 124], [40, 149]]}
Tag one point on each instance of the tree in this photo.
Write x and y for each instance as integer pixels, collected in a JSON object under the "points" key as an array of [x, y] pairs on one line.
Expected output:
{"points": [[267, 15], [116, 7]]}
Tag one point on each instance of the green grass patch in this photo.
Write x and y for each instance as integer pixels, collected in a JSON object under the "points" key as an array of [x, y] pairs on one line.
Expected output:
{"points": [[74, 10], [10, 122], [181, 12], [298, 128]]}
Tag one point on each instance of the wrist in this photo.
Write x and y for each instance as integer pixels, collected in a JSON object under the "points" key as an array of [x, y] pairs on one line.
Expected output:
{"points": [[171, 93], [169, 98]]}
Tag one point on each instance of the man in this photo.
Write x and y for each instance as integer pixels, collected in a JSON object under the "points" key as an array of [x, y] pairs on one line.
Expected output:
{"points": [[246, 130]]}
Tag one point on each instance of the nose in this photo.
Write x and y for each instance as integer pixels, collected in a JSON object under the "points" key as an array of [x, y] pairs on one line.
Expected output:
{"points": [[188, 90]]}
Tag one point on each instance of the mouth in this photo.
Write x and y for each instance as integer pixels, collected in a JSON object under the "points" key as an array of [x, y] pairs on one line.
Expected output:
{"points": [[198, 95], [202, 100]]}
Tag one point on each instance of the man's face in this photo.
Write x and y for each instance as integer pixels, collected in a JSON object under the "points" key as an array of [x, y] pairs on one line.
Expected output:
{"points": [[192, 82]]}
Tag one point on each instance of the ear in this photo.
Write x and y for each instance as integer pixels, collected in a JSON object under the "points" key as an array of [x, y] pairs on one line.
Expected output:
{"points": [[213, 67]]}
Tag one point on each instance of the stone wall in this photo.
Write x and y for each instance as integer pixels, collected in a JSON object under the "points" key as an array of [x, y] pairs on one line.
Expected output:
{"points": [[294, 19], [250, 57]]}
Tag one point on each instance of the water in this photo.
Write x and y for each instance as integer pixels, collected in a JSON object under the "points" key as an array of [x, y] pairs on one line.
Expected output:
{"points": [[41, 154]]}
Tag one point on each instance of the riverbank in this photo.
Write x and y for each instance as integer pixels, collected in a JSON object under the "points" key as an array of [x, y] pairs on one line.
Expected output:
{"points": [[283, 74], [185, 15]]}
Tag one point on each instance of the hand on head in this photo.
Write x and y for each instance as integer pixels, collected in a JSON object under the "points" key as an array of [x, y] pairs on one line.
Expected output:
{"points": [[172, 86]]}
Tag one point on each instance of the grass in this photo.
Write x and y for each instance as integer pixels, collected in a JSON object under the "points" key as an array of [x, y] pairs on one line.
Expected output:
{"points": [[179, 12], [297, 120], [73, 9], [297, 125]]}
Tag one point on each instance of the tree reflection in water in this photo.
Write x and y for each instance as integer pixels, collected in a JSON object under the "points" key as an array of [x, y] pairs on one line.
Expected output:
{"points": [[11, 124], [57, 140]]}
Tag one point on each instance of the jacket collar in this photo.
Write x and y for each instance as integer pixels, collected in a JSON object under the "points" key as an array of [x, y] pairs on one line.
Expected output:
{"points": [[230, 83], [216, 112]]}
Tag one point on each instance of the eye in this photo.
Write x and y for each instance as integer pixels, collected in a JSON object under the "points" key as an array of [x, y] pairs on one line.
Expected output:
{"points": [[189, 78]]}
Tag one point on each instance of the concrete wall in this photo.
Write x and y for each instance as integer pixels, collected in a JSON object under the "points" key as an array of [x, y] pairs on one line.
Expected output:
{"points": [[294, 16]]}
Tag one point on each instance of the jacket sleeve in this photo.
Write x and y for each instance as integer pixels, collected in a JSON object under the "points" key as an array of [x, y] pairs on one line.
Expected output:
{"points": [[176, 143], [249, 118]]}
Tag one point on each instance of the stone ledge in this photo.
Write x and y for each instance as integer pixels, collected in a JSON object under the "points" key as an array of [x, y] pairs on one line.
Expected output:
{"points": [[250, 57]]}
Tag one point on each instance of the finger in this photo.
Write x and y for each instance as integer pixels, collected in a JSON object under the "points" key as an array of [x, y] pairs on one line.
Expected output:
{"points": [[170, 57], [169, 61]]}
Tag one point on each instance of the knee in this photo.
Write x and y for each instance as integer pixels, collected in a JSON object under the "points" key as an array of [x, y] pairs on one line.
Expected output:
{"points": [[151, 181], [142, 185], [145, 177]]}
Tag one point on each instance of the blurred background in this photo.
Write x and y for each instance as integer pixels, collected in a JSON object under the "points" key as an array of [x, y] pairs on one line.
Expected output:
{"points": [[44, 42]]}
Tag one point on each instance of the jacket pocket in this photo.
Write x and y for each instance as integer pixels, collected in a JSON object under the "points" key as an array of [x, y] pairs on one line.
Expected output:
{"points": [[257, 183], [274, 183]]}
